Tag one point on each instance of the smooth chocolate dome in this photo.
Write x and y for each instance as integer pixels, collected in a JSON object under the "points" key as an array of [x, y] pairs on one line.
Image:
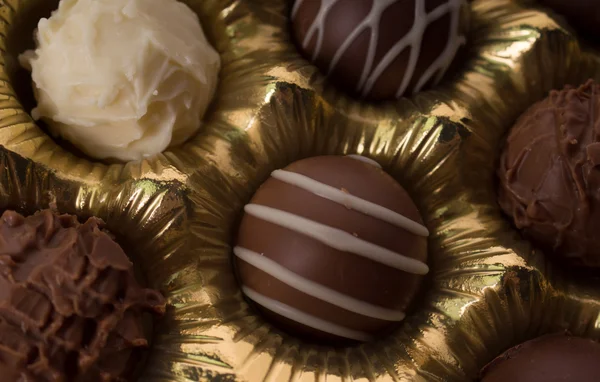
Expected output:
{"points": [[552, 358], [380, 49], [332, 247]]}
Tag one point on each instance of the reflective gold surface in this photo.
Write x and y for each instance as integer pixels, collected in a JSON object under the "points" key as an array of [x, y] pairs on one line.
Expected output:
{"points": [[176, 214]]}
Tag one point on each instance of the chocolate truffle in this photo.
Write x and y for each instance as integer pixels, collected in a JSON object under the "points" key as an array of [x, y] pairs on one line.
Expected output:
{"points": [[549, 174], [332, 248], [583, 14], [380, 49], [70, 307], [122, 79], [552, 358]]}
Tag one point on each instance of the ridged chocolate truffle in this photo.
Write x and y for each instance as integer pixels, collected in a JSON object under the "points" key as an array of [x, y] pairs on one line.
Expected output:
{"points": [[552, 358], [380, 49], [549, 174], [70, 307], [584, 15], [332, 248]]}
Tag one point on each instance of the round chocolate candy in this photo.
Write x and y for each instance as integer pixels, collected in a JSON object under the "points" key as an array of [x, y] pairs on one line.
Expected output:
{"points": [[380, 49], [550, 175], [70, 308], [332, 248], [552, 358], [583, 14]]}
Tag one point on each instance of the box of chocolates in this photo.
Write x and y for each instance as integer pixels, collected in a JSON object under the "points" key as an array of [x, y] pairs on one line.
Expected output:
{"points": [[302, 190]]}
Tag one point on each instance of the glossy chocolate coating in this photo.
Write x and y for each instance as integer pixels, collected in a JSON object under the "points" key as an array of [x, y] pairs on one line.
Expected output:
{"points": [[549, 174], [365, 46], [552, 358], [70, 307], [584, 15], [342, 271]]}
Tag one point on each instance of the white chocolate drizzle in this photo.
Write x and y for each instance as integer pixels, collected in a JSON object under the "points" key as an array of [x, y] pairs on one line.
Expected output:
{"points": [[314, 289], [372, 71], [364, 159], [337, 239], [304, 318], [350, 201]]}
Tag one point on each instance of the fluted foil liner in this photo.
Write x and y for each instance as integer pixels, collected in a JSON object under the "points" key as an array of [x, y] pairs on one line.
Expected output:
{"points": [[176, 213]]}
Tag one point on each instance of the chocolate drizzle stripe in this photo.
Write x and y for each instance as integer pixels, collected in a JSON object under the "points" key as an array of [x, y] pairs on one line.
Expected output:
{"points": [[304, 318], [371, 22], [350, 201], [337, 239], [314, 289], [443, 61], [295, 8], [364, 159], [371, 73]]}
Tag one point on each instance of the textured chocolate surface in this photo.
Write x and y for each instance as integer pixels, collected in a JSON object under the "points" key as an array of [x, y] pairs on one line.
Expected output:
{"points": [[350, 210], [70, 307], [552, 358], [379, 49], [584, 15], [549, 174]]}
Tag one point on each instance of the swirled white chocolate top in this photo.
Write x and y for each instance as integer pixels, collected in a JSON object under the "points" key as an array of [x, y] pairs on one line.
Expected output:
{"points": [[122, 79]]}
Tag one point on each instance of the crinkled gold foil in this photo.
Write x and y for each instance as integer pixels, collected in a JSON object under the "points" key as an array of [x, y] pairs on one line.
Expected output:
{"points": [[176, 213]]}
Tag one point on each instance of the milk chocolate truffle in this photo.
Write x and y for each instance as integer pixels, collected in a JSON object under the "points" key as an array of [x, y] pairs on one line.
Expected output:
{"points": [[380, 49], [70, 307], [549, 174], [552, 358], [332, 248], [582, 14]]}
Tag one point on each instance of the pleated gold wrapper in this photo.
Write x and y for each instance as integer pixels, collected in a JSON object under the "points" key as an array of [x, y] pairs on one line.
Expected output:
{"points": [[176, 214]]}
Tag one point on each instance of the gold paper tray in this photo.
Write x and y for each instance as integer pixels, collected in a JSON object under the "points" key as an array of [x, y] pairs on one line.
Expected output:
{"points": [[176, 213]]}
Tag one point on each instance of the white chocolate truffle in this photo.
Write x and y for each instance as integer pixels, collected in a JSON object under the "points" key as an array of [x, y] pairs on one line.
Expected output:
{"points": [[122, 79]]}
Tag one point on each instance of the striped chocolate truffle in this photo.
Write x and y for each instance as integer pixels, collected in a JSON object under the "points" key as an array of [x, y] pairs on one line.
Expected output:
{"points": [[332, 247], [380, 49]]}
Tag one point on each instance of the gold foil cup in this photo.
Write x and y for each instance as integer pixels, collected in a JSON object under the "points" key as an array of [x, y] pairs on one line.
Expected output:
{"points": [[176, 213]]}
